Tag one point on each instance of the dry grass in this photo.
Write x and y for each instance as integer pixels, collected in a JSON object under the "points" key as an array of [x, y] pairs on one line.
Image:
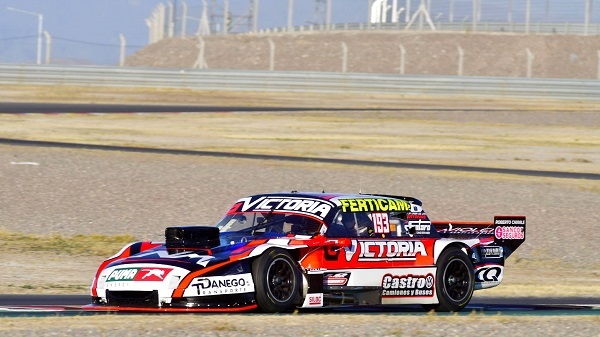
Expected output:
{"points": [[76, 245], [365, 135], [162, 96]]}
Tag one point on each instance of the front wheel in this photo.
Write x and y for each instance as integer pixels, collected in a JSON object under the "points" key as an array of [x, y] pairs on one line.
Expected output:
{"points": [[276, 281], [455, 280]]}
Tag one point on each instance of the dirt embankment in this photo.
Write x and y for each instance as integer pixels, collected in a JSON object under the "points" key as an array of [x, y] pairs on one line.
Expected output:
{"points": [[485, 54]]}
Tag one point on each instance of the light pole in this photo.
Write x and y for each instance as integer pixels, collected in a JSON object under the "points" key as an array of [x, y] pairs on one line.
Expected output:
{"points": [[40, 30]]}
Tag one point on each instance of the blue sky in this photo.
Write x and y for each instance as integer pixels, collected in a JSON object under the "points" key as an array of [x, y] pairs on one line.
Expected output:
{"points": [[88, 30]]}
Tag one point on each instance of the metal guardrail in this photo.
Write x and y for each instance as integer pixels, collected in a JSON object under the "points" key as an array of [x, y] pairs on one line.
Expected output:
{"points": [[319, 82]]}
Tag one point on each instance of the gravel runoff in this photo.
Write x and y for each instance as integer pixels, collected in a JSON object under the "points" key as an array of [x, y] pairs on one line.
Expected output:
{"points": [[69, 191], [336, 324]]}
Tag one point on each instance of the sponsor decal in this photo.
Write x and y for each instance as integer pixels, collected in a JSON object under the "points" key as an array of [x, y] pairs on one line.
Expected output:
{"points": [[418, 227], [337, 279], [374, 205], [509, 232], [223, 285], [407, 285], [126, 274], [152, 274], [315, 207], [467, 230], [313, 300], [416, 216], [492, 251], [138, 274], [384, 250], [509, 222], [491, 273]]}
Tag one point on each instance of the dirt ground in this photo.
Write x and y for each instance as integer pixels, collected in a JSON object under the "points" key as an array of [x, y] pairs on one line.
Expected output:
{"points": [[433, 53], [376, 324]]}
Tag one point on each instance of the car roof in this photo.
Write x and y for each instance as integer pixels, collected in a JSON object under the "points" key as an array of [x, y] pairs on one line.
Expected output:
{"points": [[330, 196]]}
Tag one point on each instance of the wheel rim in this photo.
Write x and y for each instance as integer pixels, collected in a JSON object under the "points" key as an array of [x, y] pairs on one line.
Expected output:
{"points": [[457, 280], [281, 280]]}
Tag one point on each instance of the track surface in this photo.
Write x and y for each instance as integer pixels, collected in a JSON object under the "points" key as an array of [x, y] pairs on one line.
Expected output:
{"points": [[533, 173], [68, 305]]}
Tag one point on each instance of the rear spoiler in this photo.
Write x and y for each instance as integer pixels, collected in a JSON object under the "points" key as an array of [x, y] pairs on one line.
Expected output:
{"points": [[507, 231]]}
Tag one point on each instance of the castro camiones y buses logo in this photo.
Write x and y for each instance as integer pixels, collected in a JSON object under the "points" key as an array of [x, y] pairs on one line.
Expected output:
{"points": [[138, 274]]}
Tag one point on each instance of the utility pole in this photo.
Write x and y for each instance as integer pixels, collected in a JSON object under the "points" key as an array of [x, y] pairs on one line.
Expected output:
{"points": [[475, 11], [226, 18], [588, 13], [40, 30], [48, 46], [254, 16], [328, 15], [527, 16], [290, 20], [184, 14], [123, 49]]}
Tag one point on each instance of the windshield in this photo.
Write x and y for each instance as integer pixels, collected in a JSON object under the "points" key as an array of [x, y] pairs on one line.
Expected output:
{"points": [[269, 223]]}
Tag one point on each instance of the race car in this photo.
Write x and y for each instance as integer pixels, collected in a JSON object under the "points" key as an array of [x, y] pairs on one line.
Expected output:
{"points": [[280, 251]]}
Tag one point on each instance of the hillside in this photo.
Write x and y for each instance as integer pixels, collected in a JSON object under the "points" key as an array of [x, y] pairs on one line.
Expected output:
{"points": [[485, 54]]}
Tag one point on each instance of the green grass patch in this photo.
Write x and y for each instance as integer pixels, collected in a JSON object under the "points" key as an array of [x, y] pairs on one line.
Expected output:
{"points": [[93, 244]]}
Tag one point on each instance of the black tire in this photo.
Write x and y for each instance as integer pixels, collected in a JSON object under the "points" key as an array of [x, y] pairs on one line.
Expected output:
{"points": [[455, 281], [276, 281]]}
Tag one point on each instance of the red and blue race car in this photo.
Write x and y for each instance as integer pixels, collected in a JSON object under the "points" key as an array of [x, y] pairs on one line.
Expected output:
{"points": [[280, 251]]}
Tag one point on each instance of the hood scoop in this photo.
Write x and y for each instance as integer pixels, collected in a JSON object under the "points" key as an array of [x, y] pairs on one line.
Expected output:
{"points": [[191, 238]]}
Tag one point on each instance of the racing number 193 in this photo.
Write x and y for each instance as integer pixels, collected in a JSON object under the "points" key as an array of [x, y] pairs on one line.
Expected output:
{"points": [[381, 222]]}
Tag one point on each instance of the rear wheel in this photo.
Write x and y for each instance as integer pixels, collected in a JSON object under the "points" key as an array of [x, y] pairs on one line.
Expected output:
{"points": [[276, 281], [455, 281]]}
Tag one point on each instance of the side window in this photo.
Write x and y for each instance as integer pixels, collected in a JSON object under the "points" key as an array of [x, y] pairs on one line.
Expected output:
{"points": [[374, 224], [398, 222], [364, 224]]}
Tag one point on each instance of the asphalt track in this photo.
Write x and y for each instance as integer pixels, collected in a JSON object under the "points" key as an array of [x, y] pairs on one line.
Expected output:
{"points": [[354, 162], [55, 108], [70, 305]]}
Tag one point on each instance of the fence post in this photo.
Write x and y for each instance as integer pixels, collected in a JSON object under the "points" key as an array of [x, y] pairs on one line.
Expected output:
{"points": [[530, 58], [344, 57], [200, 61], [461, 55], [402, 58], [271, 54], [598, 65]]}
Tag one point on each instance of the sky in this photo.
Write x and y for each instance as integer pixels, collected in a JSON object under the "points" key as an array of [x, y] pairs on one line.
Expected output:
{"points": [[87, 31]]}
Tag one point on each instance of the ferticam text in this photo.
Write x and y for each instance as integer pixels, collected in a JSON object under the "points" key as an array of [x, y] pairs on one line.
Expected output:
{"points": [[374, 205]]}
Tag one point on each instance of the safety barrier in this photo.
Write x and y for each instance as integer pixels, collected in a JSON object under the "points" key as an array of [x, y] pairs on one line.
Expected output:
{"points": [[288, 81]]}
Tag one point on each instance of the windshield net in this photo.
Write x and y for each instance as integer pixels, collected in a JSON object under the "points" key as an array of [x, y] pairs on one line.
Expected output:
{"points": [[257, 223]]}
